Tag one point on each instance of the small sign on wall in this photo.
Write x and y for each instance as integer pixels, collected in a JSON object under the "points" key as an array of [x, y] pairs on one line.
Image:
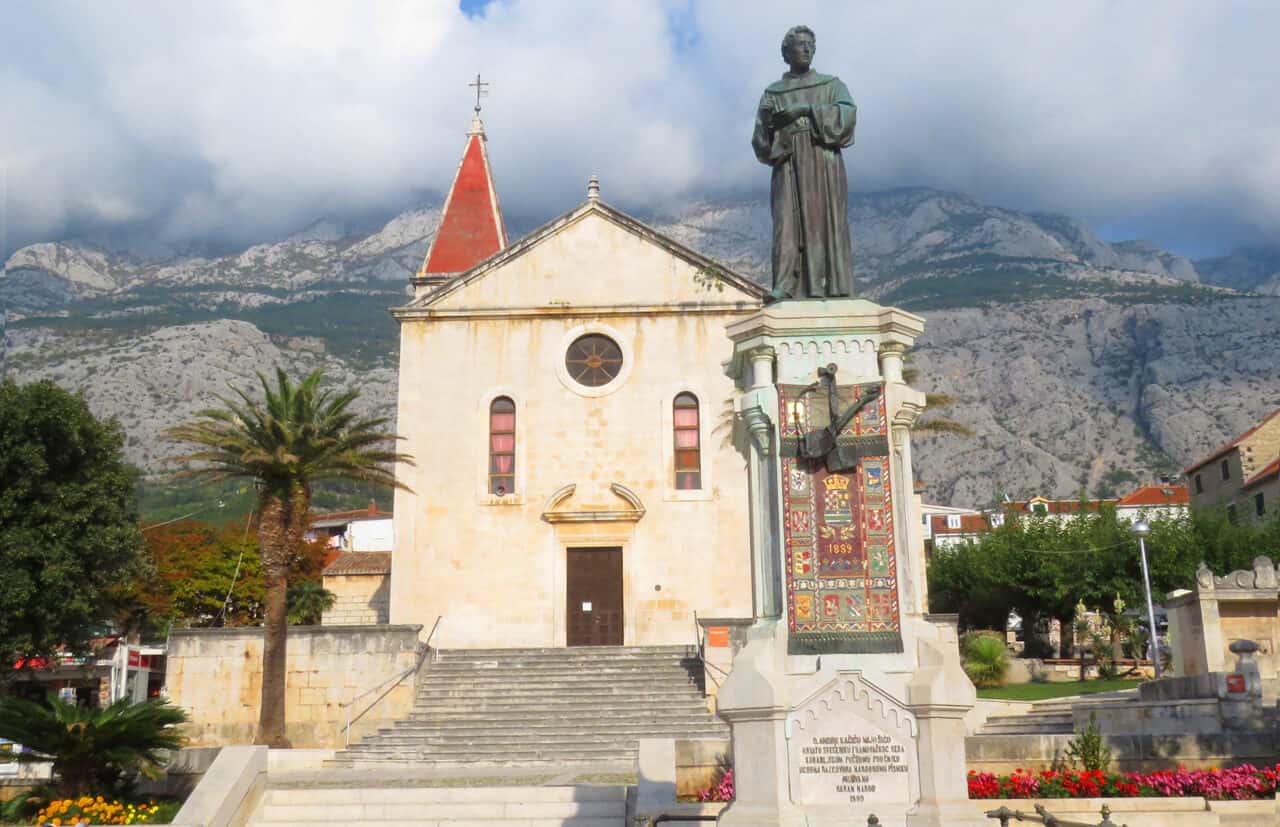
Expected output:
{"points": [[718, 636], [586, 606]]}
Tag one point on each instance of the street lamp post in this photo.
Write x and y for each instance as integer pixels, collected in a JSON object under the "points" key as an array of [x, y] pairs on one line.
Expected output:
{"points": [[1140, 530]]}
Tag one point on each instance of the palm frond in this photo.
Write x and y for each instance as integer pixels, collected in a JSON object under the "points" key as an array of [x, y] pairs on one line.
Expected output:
{"points": [[942, 426]]}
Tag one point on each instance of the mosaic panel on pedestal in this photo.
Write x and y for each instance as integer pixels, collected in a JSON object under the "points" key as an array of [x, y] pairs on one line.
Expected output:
{"points": [[841, 569]]}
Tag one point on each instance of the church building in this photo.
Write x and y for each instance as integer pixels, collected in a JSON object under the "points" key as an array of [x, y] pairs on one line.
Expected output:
{"points": [[564, 399]]}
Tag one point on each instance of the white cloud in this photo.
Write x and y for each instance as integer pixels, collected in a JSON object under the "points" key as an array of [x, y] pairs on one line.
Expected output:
{"points": [[246, 119]]}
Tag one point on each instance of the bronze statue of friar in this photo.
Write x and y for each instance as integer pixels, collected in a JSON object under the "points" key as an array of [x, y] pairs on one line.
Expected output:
{"points": [[802, 123]]}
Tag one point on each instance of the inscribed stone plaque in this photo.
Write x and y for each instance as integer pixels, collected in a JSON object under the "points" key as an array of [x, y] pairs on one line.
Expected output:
{"points": [[841, 566], [852, 746]]}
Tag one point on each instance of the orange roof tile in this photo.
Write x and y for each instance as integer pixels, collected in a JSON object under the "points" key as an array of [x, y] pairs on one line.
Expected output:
{"points": [[969, 524], [1058, 506], [1157, 495], [371, 512], [359, 562]]}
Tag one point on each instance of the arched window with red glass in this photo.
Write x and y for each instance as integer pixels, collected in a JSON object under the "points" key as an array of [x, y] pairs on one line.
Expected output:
{"points": [[502, 446], [688, 444]]}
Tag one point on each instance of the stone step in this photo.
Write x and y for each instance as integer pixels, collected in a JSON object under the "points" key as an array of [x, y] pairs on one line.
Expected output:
{"points": [[411, 790], [584, 744], [564, 708], [567, 676], [580, 719], [555, 764], [551, 727], [1030, 723], [582, 806], [1047, 729], [586, 821], [552, 653], [452, 812], [657, 696], [583, 707], [536, 693], [617, 821], [560, 740], [472, 759]]}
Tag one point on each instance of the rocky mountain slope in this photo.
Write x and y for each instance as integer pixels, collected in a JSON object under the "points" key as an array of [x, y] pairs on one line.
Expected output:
{"points": [[1070, 357]]}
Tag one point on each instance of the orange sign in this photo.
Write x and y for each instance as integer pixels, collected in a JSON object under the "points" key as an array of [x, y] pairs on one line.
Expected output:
{"points": [[1236, 684], [718, 636]]}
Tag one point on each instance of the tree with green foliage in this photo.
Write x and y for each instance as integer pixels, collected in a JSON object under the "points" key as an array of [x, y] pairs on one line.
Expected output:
{"points": [[68, 520], [92, 750], [296, 434], [205, 575], [1041, 567]]}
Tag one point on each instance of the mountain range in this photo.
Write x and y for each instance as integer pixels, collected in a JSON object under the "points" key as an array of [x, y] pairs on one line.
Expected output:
{"points": [[1075, 363]]}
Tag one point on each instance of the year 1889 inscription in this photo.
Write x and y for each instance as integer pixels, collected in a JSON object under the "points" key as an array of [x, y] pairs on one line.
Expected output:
{"points": [[853, 767]]}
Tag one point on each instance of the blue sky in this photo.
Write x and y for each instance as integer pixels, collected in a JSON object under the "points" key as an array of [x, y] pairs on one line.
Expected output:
{"points": [[238, 121]]}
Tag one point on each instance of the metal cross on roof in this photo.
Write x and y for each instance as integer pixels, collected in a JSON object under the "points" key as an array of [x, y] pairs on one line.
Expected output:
{"points": [[481, 90]]}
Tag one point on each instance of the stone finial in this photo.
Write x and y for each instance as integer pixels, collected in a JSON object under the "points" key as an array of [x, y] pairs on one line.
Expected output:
{"points": [[1264, 573], [593, 188], [1204, 577]]}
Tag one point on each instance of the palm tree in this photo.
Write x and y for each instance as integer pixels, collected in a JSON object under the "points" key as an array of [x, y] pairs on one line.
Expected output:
{"points": [[935, 424], [92, 750], [308, 601], [297, 435]]}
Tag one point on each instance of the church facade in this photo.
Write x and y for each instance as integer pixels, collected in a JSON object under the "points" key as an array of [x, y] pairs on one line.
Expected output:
{"points": [[564, 399]]}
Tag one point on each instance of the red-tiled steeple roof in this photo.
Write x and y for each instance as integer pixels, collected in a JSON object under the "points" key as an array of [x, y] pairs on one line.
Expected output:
{"points": [[471, 226]]}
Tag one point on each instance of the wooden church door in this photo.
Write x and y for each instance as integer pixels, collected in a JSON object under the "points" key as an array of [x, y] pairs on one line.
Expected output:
{"points": [[593, 589]]}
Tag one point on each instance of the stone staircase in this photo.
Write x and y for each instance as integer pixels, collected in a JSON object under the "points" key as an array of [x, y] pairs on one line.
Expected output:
{"points": [[1051, 717], [1044, 718], [286, 805], [571, 707]]}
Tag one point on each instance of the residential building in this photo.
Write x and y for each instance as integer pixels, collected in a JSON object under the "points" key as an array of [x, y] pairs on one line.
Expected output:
{"points": [[1153, 502], [1237, 473], [951, 530], [956, 526], [1260, 494], [1058, 510], [358, 572], [364, 529], [929, 510]]}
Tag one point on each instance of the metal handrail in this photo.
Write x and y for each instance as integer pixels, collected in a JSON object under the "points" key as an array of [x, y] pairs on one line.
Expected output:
{"points": [[390, 684], [1042, 816]]}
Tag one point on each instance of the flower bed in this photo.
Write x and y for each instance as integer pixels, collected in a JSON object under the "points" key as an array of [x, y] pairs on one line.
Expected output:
{"points": [[1239, 783], [97, 810]]}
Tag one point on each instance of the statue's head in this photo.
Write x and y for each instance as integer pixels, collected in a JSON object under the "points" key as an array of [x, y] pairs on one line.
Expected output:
{"points": [[798, 46]]}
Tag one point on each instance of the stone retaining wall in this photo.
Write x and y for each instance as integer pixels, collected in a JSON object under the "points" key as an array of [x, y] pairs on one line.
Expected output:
{"points": [[216, 675], [1002, 754]]}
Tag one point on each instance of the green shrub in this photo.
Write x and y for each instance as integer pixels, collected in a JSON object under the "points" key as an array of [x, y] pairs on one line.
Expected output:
{"points": [[1087, 751], [93, 750], [985, 658]]}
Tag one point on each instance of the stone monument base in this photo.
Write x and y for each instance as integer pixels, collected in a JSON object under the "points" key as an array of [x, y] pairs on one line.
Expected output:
{"points": [[847, 699]]}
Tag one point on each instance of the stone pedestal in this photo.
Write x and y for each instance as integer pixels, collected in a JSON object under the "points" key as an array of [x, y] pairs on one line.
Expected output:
{"points": [[848, 699]]}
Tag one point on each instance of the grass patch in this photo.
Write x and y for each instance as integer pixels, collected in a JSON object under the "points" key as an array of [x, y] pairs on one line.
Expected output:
{"points": [[1065, 689]]}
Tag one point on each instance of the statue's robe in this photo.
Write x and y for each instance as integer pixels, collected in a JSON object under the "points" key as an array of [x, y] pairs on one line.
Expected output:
{"points": [[812, 254]]}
